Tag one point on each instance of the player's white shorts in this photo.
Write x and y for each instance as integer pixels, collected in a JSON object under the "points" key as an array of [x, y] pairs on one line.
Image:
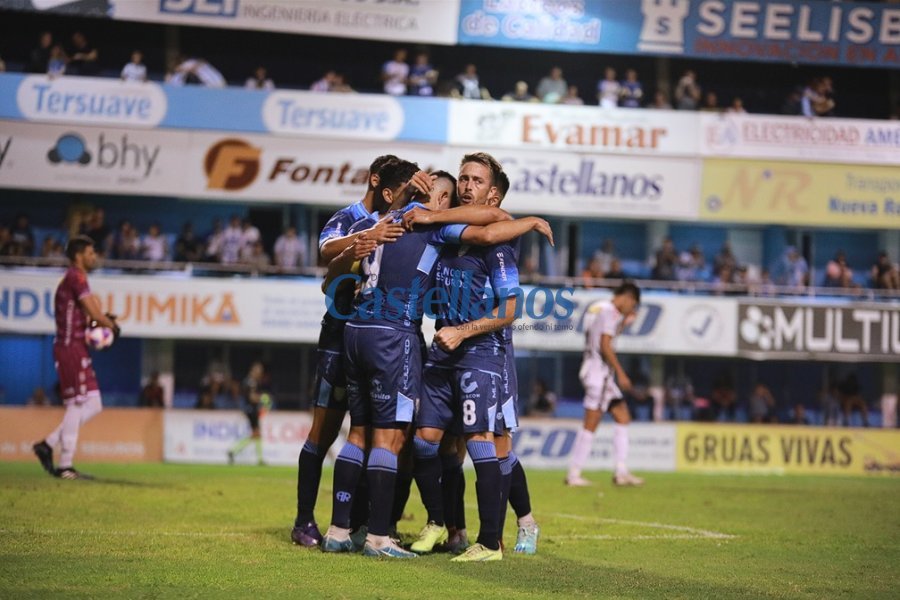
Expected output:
{"points": [[600, 387]]}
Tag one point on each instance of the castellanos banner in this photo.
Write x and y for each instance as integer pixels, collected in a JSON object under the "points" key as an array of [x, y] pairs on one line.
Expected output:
{"points": [[802, 31]]}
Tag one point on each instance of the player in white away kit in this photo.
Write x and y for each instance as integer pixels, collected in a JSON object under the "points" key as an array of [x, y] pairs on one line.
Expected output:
{"points": [[599, 372]]}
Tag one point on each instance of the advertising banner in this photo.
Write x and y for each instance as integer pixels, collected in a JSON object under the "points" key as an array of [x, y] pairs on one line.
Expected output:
{"points": [[573, 128], [591, 185], [798, 31], [204, 436], [720, 448], [115, 435], [548, 443], [792, 138], [849, 332], [844, 196]]}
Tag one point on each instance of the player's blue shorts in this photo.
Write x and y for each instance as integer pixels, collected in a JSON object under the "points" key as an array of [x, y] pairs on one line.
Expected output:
{"points": [[330, 387], [459, 400], [383, 368], [508, 415]]}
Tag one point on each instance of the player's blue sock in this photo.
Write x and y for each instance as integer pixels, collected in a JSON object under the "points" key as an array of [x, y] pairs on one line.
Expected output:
{"points": [[382, 475], [505, 480], [450, 487], [487, 489], [519, 498], [347, 469], [428, 477], [309, 473]]}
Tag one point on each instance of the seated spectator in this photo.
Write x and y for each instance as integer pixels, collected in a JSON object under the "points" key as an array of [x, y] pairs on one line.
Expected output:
{"points": [[191, 70], [290, 251], [687, 92], [324, 84], [152, 393], [725, 258], [56, 65], [606, 254], [7, 248], [187, 247], [572, 98], [82, 57], [259, 81], [422, 76], [256, 257], [884, 274], [95, 228], [631, 93], [213, 251], [608, 89], [232, 242], [135, 70], [724, 398], [205, 400], [2, 65], [126, 243], [791, 270], [154, 246], [829, 402], [39, 59], [22, 236], [469, 86], [394, 74], [543, 400], [51, 248], [661, 101], [552, 88], [737, 107], [679, 393], [762, 405], [249, 235], [691, 264], [838, 273], [591, 272], [851, 399], [519, 94], [666, 261], [815, 101], [799, 415], [38, 398], [341, 86], [711, 102], [793, 103], [615, 270]]}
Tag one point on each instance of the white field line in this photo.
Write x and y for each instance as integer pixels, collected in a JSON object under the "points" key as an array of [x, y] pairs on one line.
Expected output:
{"points": [[685, 532]]}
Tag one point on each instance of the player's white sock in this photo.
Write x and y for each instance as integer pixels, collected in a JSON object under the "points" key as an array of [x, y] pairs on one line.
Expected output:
{"points": [[620, 448], [526, 521], [338, 533], [378, 541], [69, 434], [580, 452]]}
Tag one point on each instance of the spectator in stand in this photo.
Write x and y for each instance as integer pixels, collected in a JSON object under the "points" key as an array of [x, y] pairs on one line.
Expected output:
{"points": [[851, 399], [799, 415], [661, 101], [687, 92], [519, 94], [394, 74], [290, 251], [232, 242], [152, 394], [22, 236], [154, 246], [737, 106], [187, 247], [96, 229], [135, 70], [82, 56], [543, 401], [815, 101], [7, 248], [191, 70], [726, 277], [762, 405], [764, 285], [830, 404], [791, 270], [214, 242], [260, 80], [39, 58], [608, 89], [632, 93], [679, 393], [723, 398], [38, 398], [606, 254], [341, 86], [591, 272], [838, 273], [51, 248], [422, 76], [249, 236], [468, 85], [666, 261], [572, 98], [711, 102], [691, 264], [552, 88], [828, 92], [884, 274], [2, 65], [725, 258], [126, 243], [325, 83], [56, 65], [615, 270], [793, 103], [256, 256], [205, 400]]}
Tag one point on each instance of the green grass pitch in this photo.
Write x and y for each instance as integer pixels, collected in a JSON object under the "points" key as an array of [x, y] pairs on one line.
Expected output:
{"points": [[165, 531]]}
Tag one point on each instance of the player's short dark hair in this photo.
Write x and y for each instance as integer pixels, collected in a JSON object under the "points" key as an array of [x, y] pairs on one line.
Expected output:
{"points": [[395, 173], [452, 180], [483, 158], [77, 245], [628, 287], [502, 183], [378, 164]]}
